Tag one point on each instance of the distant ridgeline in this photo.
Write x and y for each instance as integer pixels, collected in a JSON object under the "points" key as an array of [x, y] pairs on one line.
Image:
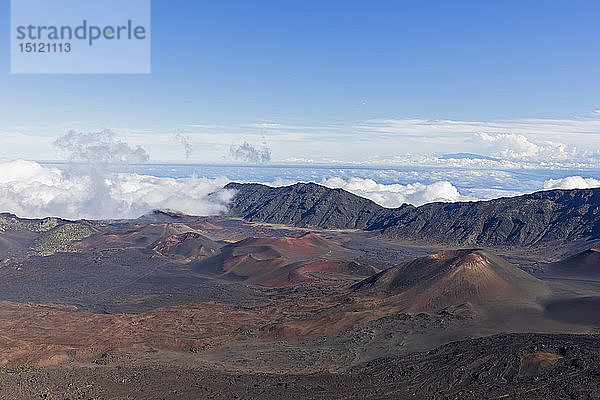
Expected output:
{"points": [[55, 234], [541, 217], [10, 222]]}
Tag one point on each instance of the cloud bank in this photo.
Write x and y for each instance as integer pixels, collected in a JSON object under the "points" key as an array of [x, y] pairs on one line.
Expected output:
{"points": [[85, 189], [572, 182], [29, 189], [515, 146], [101, 147], [394, 195], [390, 195]]}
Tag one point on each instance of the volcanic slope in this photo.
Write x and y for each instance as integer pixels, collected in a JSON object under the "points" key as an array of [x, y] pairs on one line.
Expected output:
{"points": [[151, 234], [455, 277], [304, 205], [543, 217], [584, 265], [188, 245], [136, 234], [283, 261]]}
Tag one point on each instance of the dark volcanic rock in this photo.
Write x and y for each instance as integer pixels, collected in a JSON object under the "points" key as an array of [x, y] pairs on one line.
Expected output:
{"points": [[514, 366], [305, 205], [523, 220], [542, 217]]}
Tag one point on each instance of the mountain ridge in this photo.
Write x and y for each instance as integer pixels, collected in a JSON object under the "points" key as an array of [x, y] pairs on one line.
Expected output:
{"points": [[526, 220]]}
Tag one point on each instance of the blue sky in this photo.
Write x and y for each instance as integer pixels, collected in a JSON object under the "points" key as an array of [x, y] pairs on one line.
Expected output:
{"points": [[335, 81]]}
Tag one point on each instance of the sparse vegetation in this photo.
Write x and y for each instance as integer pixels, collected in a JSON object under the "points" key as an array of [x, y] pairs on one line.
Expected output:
{"points": [[23, 369], [61, 238], [11, 222]]}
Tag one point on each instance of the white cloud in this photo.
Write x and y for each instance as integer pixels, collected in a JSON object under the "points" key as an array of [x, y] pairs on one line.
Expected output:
{"points": [[249, 153], [394, 195], [186, 143], [509, 145], [100, 147], [566, 142], [516, 146], [29, 189], [387, 195], [572, 182]]}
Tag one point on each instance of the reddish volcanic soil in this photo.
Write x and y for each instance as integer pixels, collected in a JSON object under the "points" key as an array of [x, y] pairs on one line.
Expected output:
{"points": [[190, 246], [46, 334], [321, 269], [306, 246], [454, 277], [169, 310], [532, 364], [281, 262]]}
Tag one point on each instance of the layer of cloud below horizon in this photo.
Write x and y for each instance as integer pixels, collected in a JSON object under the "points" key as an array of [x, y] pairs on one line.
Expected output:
{"points": [[29, 189]]}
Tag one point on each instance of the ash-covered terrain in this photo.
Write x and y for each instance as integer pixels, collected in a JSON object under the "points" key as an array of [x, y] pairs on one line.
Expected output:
{"points": [[310, 292]]}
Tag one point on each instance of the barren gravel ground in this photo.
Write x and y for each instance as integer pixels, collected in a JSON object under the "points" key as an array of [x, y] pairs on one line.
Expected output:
{"points": [[523, 366], [120, 320]]}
